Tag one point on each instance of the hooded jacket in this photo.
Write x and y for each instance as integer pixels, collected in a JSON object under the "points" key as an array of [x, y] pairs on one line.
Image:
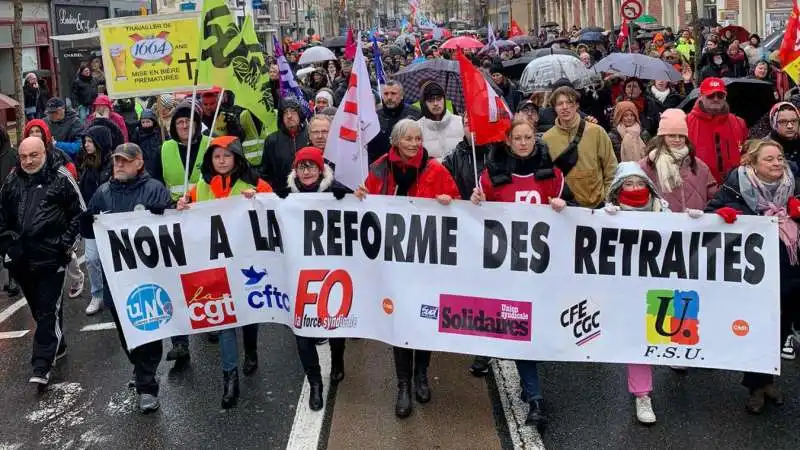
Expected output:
{"points": [[91, 178], [459, 164], [441, 137], [39, 216], [220, 186], [388, 117], [709, 69], [280, 147], [327, 183], [119, 121], [149, 140], [66, 132], [717, 139], [84, 90], [59, 157], [169, 163], [628, 169]]}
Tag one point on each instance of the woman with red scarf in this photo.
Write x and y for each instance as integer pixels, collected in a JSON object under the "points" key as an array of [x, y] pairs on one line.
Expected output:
{"points": [[408, 171]]}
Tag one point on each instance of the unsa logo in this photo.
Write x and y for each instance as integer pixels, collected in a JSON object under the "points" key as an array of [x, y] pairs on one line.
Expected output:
{"points": [[149, 307]]}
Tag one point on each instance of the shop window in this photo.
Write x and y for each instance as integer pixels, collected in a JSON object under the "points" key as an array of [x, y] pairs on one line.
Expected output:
{"points": [[30, 59], [28, 34]]}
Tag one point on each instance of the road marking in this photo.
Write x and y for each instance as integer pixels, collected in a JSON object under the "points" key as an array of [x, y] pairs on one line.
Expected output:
{"points": [[13, 334], [507, 380], [307, 424], [8, 312], [100, 326]]}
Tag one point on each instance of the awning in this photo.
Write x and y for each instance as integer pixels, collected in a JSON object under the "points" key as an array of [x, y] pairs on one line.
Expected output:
{"points": [[76, 37], [7, 102]]}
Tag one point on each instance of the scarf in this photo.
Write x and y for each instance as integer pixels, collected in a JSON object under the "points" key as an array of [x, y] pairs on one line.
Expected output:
{"points": [[758, 198], [668, 166], [633, 147], [405, 173], [635, 199], [661, 96]]}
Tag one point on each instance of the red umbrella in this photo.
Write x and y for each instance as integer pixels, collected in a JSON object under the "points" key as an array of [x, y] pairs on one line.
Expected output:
{"points": [[739, 33], [462, 42], [427, 36]]}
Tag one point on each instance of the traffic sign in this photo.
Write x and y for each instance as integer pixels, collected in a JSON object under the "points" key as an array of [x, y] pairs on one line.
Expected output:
{"points": [[631, 9]]}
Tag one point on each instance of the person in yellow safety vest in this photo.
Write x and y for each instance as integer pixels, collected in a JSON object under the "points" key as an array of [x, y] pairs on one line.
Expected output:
{"points": [[173, 151], [255, 133], [224, 173]]}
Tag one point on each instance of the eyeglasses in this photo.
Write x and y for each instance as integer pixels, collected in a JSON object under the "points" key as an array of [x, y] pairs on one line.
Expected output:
{"points": [[786, 122], [307, 166]]}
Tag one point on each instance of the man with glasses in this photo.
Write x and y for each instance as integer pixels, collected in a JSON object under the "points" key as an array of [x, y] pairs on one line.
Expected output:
{"points": [[715, 132]]}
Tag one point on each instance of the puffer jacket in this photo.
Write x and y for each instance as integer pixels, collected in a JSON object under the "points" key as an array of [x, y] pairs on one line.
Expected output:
{"points": [[39, 216], [441, 137], [280, 147], [459, 164], [698, 187], [717, 139], [149, 140], [327, 183], [431, 178]]}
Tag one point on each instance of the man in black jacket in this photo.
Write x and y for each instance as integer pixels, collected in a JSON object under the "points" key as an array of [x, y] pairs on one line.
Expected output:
{"points": [[131, 188], [459, 163], [280, 146], [393, 111], [40, 206]]}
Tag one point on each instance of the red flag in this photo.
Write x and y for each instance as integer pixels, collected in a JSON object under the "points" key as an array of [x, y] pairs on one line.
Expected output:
{"points": [[790, 47], [624, 29], [488, 115], [417, 50], [350, 46], [514, 29]]}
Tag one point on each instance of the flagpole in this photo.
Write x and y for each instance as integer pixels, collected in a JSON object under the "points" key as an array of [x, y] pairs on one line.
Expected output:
{"points": [[191, 133], [474, 156], [216, 114]]}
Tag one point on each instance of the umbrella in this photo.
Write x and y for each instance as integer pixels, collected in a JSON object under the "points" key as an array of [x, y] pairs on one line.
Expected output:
{"points": [[394, 50], [501, 43], [316, 54], [556, 41], [405, 39], [748, 98], [538, 53], [462, 42], [639, 66], [773, 41], [646, 18], [739, 33], [549, 25], [592, 30], [424, 45], [542, 72], [513, 67], [589, 37], [524, 40], [335, 42], [443, 71], [653, 27]]}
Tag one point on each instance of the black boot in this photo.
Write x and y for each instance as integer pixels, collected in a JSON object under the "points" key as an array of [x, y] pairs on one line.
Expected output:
{"points": [[178, 352], [337, 369], [315, 401], [402, 408], [230, 388], [535, 414], [250, 363], [213, 337], [421, 387]]}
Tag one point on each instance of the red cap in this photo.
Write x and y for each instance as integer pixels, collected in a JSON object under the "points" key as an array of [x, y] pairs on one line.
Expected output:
{"points": [[712, 85], [312, 154]]}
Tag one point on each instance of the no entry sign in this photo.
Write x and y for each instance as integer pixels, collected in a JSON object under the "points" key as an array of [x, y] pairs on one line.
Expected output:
{"points": [[631, 9]]}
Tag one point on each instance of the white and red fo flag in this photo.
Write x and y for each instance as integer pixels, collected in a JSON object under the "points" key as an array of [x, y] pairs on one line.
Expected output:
{"points": [[354, 125], [488, 115]]}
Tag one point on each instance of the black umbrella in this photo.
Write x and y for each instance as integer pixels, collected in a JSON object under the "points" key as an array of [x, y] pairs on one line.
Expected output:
{"points": [[748, 98], [591, 30], [395, 50], [538, 53], [555, 41], [335, 42], [589, 38], [525, 40], [513, 67], [549, 25]]}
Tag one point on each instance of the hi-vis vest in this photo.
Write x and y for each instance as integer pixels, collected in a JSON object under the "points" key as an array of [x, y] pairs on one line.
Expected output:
{"points": [[173, 166], [204, 190], [253, 141]]}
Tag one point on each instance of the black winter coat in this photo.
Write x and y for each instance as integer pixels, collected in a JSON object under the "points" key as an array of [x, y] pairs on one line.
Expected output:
{"points": [[459, 163], [37, 97], [379, 145], [84, 91], [279, 150], [149, 140], [655, 107], [39, 217], [115, 196]]}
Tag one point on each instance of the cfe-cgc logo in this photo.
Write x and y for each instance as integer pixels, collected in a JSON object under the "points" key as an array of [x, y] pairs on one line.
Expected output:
{"points": [[331, 281], [208, 297], [262, 295], [489, 317], [672, 324], [584, 321], [149, 307]]}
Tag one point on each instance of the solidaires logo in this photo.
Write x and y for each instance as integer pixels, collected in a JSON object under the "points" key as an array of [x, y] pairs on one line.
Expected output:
{"points": [[672, 317]]}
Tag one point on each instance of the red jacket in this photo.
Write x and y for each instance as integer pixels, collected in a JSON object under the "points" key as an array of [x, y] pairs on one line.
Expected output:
{"points": [[48, 144], [432, 178], [717, 140]]}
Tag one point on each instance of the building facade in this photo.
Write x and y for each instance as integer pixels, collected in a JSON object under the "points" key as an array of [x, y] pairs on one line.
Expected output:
{"points": [[37, 51]]}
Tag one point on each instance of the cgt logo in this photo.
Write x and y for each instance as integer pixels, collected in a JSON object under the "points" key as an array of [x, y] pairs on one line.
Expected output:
{"points": [[672, 319], [149, 307], [208, 297], [268, 297], [330, 280]]}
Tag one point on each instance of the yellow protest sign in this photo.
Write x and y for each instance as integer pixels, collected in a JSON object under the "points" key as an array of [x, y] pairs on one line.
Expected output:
{"points": [[793, 70], [150, 55]]}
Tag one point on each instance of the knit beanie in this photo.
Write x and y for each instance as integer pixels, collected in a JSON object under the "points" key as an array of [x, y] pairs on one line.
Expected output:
{"points": [[312, 154], [166, 101], [673, 121], [326, 94], [432, 89], [621, 108]]}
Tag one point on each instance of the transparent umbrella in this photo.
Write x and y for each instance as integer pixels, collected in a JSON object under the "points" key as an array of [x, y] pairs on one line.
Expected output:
{"points": [[541, 73]]}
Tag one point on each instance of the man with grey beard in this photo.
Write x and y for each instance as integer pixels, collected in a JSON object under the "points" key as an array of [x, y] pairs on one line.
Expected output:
{"points": [[131, 189], [40, 207]]}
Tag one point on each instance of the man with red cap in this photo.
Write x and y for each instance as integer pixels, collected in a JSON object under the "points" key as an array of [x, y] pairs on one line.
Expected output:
{"points": [[715, 132]]}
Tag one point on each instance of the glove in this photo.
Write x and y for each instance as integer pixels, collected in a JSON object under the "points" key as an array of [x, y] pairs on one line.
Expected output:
{"points": [[611, 209], [15, 252], [157, 210], [339, 193], [728, 214], [694, 213], [282, 193], [793, 208]]}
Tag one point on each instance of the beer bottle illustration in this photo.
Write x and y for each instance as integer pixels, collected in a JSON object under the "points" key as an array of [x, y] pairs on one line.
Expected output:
{"points": [[119, 59]]}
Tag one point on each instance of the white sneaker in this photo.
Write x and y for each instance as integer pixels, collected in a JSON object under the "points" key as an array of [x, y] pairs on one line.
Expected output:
{"points": [[788, 351], [77, 286], [95, 305], [644, 410]]}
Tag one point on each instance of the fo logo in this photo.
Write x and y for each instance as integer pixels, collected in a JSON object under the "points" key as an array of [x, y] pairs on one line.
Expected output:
{"points": [[334, 287], [673, 317], [208, 297], [149, 307]]}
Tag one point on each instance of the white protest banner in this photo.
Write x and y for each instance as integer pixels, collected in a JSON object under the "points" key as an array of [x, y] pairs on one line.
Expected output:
{"points": [[504, 280]]}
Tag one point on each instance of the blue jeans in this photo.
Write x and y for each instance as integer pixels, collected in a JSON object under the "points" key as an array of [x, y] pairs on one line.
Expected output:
{"points": [[228, 349], [529, 375], [94, 268]]}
